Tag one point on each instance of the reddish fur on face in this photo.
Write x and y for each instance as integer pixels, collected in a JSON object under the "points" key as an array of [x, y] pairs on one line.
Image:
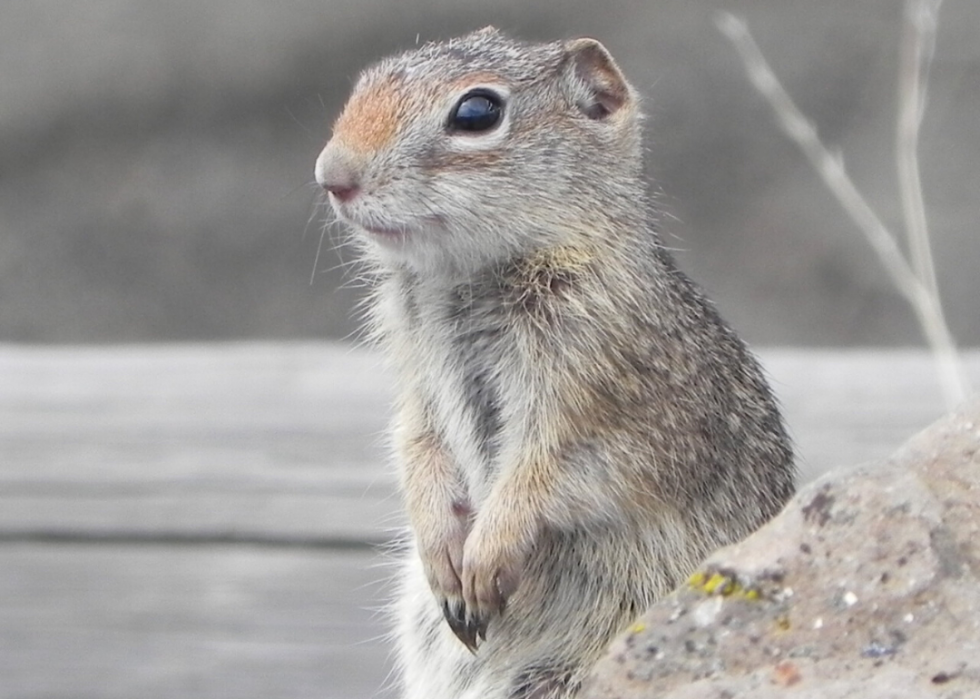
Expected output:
{"points": [[370, 120]]}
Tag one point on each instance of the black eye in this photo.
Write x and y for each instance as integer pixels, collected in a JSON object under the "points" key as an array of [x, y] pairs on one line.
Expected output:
{"points": [[477, 111]]}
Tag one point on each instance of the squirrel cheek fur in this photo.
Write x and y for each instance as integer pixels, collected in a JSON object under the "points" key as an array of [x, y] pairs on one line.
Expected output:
{"points": [[575, 426]]}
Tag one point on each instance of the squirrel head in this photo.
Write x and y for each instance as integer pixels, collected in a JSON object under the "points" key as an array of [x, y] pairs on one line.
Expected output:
{"points": [[466, 152]]}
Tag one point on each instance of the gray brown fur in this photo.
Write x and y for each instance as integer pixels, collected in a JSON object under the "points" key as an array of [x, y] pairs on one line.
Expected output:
{"points": [[577, 428]]}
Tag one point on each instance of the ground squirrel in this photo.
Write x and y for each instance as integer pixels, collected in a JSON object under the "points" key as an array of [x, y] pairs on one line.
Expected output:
{"points": [[576, 427]]}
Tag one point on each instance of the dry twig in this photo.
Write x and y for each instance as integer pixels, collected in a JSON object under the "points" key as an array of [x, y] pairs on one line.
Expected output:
{"points": [[916, 282]]}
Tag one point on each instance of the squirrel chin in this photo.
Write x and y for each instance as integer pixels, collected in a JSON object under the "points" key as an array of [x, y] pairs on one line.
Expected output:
{"points": [[396, 234], [385, 234], [374, 230]]}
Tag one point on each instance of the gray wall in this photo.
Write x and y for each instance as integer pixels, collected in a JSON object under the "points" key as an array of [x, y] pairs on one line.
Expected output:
{"points": [[156, 159]]}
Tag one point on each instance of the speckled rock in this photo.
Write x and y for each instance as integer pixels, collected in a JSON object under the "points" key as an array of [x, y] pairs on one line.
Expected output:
{"points": [[867, 585]]}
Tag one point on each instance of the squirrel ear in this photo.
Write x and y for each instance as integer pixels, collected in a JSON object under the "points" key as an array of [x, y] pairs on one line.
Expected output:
{"points": [[600, 88]]}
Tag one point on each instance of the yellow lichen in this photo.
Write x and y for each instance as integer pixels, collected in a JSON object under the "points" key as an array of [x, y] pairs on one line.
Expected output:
{"points": [[719, 584], [715, 582]]}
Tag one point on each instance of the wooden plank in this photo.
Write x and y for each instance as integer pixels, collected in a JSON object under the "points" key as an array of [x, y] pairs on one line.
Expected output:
{"points": [[223, 441], [159, 622], [285, 442], [845, 407], [115, 460]]}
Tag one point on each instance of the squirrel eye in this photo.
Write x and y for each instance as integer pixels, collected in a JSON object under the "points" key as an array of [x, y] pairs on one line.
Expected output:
{"points": [[476, 111]]}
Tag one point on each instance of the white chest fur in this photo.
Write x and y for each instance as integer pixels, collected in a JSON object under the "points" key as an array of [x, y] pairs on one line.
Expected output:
{"points": [[453, 350]]}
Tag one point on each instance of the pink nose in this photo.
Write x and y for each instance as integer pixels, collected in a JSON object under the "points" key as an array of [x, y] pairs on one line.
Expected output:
{"points": [[343, 192], [338, 172]]}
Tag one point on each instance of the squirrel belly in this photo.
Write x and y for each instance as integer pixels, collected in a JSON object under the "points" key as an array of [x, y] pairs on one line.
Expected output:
{"points": [[576, 426]]}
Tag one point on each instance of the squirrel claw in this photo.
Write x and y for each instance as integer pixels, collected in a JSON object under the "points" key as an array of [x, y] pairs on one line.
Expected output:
{"points": [[465, 627], [476, 628]]}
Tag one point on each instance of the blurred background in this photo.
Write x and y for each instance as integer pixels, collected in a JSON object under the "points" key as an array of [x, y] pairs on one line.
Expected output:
{"points": [[156, 159]]}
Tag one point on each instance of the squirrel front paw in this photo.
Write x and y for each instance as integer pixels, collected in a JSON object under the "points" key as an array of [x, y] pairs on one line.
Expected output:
{"points": [[440, 546], [493, 564]]}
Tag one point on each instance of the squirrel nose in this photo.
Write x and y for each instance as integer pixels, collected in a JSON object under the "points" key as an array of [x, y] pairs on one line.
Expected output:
{"points": [[344, 188], [337, 172]]}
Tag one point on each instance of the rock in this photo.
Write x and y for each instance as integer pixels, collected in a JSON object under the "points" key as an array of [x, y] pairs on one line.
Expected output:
{"points": [[867, 585]]}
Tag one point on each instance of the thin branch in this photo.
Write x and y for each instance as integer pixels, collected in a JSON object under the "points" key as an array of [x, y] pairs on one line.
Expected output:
{"points": [[917, 50], [830, 167], [918, 47]]}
